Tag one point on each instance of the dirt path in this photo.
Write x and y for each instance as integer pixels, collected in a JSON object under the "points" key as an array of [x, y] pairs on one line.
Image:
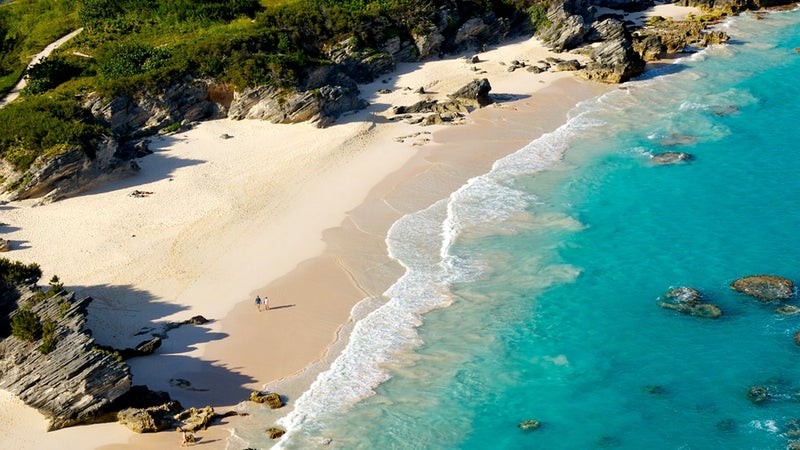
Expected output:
{"points": [[14, 93]]}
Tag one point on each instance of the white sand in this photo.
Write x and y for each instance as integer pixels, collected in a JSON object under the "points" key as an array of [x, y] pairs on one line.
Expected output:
{"points": [[227, 217]]}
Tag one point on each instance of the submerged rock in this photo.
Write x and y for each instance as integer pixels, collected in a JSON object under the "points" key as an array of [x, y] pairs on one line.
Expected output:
{"points": [[671, 157], [529, 425], [765, 288], [687, 300], [787, 310], [758, 394]]}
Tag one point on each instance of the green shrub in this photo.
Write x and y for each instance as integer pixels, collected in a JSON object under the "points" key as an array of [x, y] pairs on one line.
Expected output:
{"points": [[25, 325], [49, 336], [17, 272], [539, 18], [132, 58], [49, 73], [56, 286], [38, 125]]}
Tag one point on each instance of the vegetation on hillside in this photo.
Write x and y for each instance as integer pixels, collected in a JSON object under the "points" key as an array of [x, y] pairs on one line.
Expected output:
{"points": [[131, 45]]}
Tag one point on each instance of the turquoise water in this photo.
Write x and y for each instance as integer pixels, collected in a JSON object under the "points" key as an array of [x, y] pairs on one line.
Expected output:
{"points": [[531, 292]]}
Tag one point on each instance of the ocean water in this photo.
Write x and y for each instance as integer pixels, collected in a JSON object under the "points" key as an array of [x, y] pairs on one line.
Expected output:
{"points": [[531, 293]]}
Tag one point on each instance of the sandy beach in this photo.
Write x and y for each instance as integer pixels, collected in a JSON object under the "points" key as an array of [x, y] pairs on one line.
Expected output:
{"points": [[291, 212]]}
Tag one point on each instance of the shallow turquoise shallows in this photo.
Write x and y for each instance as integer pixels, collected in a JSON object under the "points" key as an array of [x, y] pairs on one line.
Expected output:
{"points": [[531, 293]]}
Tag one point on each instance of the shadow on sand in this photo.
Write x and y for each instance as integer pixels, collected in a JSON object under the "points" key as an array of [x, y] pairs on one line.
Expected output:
{"points": [[122, 317]]}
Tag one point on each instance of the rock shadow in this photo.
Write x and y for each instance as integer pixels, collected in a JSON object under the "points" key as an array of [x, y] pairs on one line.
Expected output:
{"points": [[156, 166], [123, 316]]}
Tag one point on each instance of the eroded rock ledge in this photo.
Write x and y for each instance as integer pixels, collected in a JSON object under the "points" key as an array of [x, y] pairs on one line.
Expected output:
{"points": [[72, 384]]}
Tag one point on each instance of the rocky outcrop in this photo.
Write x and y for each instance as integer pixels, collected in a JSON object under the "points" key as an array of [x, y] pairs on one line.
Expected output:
{"points": [[670, 157], [146, 113], [271, 399], [150, 420], [194, 419], [275, 433], [765, 288], [688, 301], [73, 383], [614, 58], [72, 172], [474, 93], [673, 37], [319, 106], [733, 6]]}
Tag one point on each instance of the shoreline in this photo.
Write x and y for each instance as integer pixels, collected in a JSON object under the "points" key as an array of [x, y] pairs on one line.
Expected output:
{"points": [[348, 262]]}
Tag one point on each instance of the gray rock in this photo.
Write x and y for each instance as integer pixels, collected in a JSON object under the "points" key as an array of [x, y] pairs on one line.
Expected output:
{"points": [[475, 92], [72, 172], [428, 41], [613, 61], [670, 157], [567, 66], [765, 288], [71, 385], [470, 31], [146, 113], [320, 106]]}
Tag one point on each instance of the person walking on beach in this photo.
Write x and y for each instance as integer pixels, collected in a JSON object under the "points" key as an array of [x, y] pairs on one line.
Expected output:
{"points": [[258, 303], [266, 303]]}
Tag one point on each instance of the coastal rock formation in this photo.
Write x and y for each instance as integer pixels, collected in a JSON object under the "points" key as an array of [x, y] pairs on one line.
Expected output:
{"points": [[194, 419], [797, 338], [71, 384], [271, 399], [688, 301], [275, 433], [614, 60], [475, 93], [146, 113], [765, 288], [69, 173], [150, 420], [674, 37], [670, 157], [319, 106]]}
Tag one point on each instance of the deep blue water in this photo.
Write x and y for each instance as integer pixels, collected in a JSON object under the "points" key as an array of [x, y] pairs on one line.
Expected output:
{"points": [[531, 292]]}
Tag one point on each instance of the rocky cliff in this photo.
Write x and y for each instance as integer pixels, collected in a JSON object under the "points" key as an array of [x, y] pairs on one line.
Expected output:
{"points": [[71, 384]]}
